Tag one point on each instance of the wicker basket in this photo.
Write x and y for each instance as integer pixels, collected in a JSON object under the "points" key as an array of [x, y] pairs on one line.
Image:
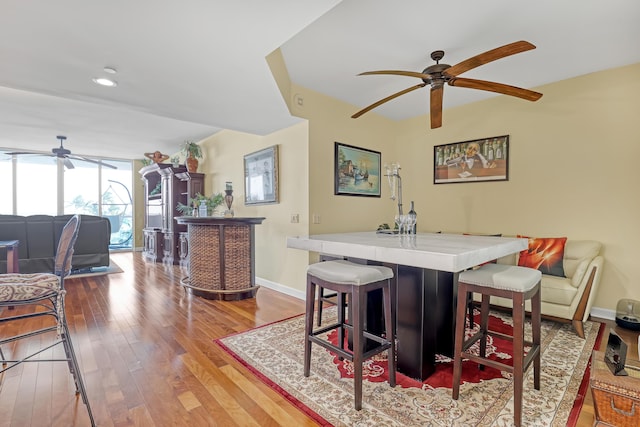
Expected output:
{"points": [[616, 399]]}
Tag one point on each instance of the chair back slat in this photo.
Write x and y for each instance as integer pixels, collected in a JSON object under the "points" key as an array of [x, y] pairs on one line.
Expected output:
{"points": [[64, 254]]}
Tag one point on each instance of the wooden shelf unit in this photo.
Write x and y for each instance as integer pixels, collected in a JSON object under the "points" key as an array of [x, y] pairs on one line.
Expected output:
{"points": [[166, 186]]}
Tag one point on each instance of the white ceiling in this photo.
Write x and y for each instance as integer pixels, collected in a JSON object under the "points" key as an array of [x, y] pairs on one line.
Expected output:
{"points": [[188, 69]]}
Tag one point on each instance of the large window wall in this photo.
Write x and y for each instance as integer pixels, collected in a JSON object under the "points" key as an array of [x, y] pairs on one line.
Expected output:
{"points": [[41, 184]]}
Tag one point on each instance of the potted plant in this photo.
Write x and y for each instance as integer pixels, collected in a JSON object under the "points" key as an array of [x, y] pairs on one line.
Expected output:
{"points": [[193, 152]]}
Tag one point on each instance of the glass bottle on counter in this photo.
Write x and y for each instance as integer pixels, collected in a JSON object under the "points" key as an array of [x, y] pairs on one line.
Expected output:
{"points": [[414, 217]]}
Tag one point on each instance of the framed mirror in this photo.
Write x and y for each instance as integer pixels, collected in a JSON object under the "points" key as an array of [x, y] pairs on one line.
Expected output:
{"points": [[261, 177]]}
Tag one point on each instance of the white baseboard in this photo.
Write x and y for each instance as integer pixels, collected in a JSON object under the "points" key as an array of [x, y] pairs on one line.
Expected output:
{"points": [[603, 313], [280, 288]]}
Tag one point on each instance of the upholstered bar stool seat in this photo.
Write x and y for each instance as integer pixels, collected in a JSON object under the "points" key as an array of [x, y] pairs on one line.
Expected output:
{"points": [[356, 280], [518, 284]]}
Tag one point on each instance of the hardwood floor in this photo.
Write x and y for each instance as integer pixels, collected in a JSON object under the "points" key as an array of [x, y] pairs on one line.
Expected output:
{"points": [[147, 352]]}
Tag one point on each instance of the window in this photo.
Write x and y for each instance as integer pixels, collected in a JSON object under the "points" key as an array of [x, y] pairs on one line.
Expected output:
{"points": [[36, 190], [6, 189], [43, 185]]}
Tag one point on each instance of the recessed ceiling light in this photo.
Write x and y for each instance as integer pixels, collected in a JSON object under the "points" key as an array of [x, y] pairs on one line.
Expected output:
{"points": [[103, 81], [110, 70]]}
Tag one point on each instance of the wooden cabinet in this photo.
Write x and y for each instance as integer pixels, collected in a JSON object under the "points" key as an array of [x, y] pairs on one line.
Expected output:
{"points": [[164, 187], [183, 250], [152, 244]]}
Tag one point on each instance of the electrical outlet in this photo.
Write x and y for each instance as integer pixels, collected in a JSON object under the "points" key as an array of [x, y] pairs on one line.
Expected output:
{"points": [[295, 218], [316, 219]]}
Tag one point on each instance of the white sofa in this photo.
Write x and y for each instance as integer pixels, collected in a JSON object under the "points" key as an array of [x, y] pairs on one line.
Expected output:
{"points": [[570, 297]]}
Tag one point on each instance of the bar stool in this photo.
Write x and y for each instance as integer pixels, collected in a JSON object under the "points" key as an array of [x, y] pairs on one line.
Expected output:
{"points": [[322, 298], [518, 284], [356, 280]]}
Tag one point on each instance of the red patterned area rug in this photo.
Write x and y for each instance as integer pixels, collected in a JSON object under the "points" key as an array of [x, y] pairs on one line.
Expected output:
{"points": [[275, 354]]}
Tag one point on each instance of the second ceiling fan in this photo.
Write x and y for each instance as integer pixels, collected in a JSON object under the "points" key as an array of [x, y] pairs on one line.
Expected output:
{"points": [[437, 75], [65, 155]]}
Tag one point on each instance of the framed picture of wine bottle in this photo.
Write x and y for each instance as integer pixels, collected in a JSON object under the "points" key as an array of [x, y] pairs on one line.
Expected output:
{"points": [[476, 160]]}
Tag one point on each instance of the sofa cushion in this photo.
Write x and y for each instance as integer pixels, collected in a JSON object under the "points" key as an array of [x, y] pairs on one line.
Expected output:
{"points": [[92, 246], [545, 254], [578, 254], [40, 237], [557, 290]]}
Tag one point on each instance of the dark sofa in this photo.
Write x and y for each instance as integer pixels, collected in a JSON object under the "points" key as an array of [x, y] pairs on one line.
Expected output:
{"points": [[39, 235]]}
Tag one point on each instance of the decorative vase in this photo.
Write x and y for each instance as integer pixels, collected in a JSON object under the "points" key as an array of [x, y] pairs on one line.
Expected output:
{"points": [[228, 199], [191, 163]]}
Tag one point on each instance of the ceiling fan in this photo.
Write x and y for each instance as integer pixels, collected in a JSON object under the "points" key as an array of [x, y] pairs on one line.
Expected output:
{"points": [[66, 156], [438, 74]]}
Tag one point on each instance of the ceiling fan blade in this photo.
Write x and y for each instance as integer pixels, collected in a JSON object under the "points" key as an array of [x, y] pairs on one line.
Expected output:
{"points": [[488, 56], [388, 98], [97, 162], [25, 152], [68, 163], [527, 94], [107, 165], [397, 73], [436, 106]]}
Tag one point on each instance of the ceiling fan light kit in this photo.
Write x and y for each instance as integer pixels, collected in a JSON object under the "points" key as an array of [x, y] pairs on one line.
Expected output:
{"points": [[103, 81], [106, 81], [438, 74]]}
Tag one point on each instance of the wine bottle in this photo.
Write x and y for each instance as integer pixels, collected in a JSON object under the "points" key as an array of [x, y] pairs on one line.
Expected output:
{"points": [[414, 216], [499, 151]]}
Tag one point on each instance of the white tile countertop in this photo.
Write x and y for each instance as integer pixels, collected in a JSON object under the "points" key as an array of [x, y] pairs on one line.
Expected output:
{"points": [[444, 252]]}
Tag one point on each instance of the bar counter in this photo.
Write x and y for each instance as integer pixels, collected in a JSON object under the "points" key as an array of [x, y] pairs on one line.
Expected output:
{"points": [[436, 251], [221, 257], [426, 268]]}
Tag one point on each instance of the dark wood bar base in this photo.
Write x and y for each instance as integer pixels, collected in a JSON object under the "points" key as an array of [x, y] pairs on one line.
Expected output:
{"points": [[424, 318], [425, 302]]}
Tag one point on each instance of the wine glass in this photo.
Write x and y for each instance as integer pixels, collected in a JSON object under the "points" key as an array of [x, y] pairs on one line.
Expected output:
{"points": [[404, 220], [398, 220], [411, 221]]}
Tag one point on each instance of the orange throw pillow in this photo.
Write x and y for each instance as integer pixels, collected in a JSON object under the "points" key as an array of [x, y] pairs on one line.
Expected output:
{"points": [[544, 254]]}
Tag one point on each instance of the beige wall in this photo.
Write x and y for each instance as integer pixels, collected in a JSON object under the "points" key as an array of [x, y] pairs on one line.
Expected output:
{"points": [[329, 122], [571, 173], [224, 161], [572, 161]]}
